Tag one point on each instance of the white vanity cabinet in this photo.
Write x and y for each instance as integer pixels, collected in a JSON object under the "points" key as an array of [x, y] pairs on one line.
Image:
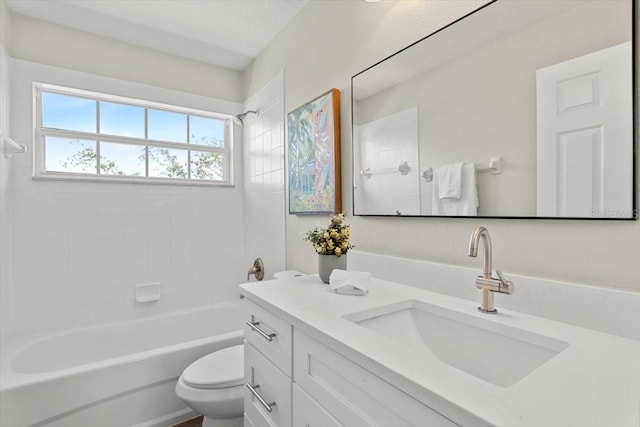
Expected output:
{"points": [[342, 371], [270, 335], [267, 368], [267, 400], [308, 413], [354, 396], [299, 381]]}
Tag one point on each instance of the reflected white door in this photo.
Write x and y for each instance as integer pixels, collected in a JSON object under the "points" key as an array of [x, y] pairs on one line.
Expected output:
{"points": [[584, 135], [383, 145]]}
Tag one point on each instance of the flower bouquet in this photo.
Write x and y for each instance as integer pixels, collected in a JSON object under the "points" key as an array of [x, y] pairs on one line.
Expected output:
{"points": [[332, 244], [333, 240]]}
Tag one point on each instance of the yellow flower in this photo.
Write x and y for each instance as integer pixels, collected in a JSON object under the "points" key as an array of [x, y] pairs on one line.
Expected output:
{"points": [[331, 240]]}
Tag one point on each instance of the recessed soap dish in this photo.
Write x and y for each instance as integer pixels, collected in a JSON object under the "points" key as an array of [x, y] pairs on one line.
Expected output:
{"points": [[147, 292]]}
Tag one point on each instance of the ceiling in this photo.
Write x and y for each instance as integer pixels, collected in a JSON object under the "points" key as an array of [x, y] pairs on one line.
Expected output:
{"points": [[226, 33]]}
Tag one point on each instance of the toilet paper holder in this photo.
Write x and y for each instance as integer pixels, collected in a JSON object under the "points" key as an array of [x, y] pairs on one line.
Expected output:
{"points": [[257, 269]]}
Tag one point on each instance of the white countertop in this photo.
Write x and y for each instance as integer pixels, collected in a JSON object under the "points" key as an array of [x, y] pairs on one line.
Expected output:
{"points": [[594, 382]]}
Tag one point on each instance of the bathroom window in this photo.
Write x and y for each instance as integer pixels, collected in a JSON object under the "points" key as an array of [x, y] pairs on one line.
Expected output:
{"points": [[88, 135]]}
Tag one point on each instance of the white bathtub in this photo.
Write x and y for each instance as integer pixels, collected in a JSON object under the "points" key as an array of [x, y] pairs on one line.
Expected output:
{"points": [[115, 375]]}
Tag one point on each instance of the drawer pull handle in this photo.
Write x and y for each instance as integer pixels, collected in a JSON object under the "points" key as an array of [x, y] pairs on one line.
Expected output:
{"points": [[267, 406], [254, 326]]}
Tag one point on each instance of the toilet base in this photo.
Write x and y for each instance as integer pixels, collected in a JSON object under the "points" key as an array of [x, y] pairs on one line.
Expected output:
{"points": [[229, 422]]}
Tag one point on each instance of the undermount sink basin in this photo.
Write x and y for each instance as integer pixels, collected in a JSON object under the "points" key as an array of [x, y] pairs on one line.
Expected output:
{"points": [[491, 351]]}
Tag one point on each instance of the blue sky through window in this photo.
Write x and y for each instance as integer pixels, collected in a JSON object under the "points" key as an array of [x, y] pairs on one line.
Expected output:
{"points": [[167, 126], [206, 131], [68, 112], [121, 120], [146, 155]]}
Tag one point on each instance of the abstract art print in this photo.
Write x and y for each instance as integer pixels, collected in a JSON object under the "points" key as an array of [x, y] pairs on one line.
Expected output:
{"points": [[314, 156]]}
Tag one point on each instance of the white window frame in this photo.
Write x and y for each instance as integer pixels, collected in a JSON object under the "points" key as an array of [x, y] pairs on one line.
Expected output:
{"points": [[40, 132]]}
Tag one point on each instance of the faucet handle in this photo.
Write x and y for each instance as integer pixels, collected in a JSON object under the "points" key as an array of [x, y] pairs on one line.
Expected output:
{"points": [[257, 269], [506, 284]]}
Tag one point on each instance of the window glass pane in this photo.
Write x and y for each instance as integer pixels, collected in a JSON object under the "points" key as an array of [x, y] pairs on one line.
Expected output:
{"points": [[206, 165], [68, 112], [157, 128], [168, 162], [70, 155], [122, 159], [121, 120], [206, 131], [167, 126]]}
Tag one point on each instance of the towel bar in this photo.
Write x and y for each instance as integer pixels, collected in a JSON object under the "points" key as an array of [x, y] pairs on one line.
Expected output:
{"points": [[494, 167]]}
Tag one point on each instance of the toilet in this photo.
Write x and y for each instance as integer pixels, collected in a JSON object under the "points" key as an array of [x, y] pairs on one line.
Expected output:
{"points": [[213, 387]]}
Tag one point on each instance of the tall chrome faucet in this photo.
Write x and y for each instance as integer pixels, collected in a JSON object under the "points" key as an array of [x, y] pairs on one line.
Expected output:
{"points": [[487, 283]]}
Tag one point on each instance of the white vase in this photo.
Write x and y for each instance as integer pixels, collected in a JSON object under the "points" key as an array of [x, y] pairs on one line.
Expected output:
{"points": [[328, 263]]}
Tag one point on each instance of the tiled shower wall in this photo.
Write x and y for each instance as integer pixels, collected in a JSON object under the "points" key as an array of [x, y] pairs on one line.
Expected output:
{"points": [[79, 248], [264, 177]]}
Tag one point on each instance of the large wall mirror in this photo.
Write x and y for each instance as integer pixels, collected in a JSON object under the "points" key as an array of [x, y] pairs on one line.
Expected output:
{"points": [[521, 109]]}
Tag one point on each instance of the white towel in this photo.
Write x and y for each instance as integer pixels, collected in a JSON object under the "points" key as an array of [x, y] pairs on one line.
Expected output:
{"points": [[467, 204], [349, 282], [450, 181]]}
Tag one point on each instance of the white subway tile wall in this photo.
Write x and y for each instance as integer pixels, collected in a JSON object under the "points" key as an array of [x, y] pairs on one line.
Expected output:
{"points": [[75, 269], [264, 174], [79, 248]]}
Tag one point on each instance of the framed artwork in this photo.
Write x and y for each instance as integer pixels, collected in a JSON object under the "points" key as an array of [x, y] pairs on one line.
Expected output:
{"points": [[313, 154]]}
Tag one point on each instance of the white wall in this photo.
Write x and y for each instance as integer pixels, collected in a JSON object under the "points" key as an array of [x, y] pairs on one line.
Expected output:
{"points": [[6, 247], [80, 247], [46, 43], [603, 253], [6, 240], [5, 25], [264, 201]]}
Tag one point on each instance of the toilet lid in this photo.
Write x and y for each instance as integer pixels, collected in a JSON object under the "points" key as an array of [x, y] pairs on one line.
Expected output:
{"points": [[220, 369]]}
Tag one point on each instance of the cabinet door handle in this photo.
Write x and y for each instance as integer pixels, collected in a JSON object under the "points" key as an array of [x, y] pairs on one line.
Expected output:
{"points": [[263, 334], [267, 406]]}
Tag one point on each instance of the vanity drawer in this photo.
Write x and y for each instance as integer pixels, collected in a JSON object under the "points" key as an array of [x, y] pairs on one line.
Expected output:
{"points": [[307, 412], [352, 394], [247, 421], [271, 335], [269, 404]]}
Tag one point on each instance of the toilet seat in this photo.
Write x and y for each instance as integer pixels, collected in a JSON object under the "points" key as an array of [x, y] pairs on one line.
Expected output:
{"points": [[220, 369]]}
